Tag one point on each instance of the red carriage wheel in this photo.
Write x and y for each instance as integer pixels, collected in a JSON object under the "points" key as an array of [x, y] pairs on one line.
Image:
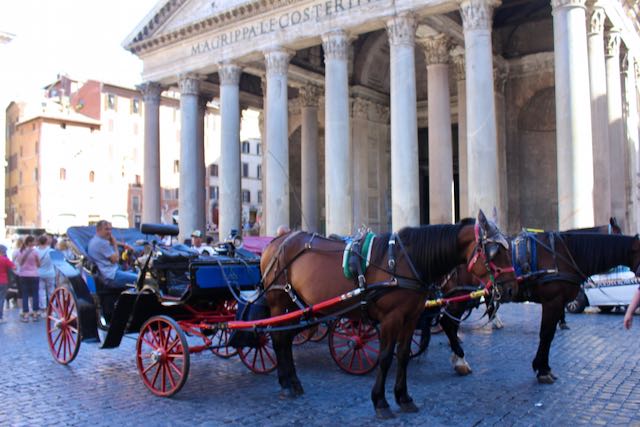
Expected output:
{"points": [[220, 341], [302, 337], [162, 356], [354, 346], [261, 359], [63, 331], [319, 332]]}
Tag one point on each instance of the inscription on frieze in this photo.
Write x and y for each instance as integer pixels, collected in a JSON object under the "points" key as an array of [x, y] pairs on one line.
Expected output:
{"points": [[315, 12]]}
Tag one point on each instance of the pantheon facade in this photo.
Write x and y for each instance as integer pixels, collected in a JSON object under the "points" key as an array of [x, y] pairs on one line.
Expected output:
{"points": [[393, 113]]}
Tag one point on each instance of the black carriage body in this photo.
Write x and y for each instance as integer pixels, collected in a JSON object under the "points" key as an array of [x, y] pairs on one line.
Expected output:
{"points": [[180, 284]]}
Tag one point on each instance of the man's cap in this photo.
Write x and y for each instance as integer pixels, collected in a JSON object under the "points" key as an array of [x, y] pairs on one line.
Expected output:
{"points": [[196, 233]]}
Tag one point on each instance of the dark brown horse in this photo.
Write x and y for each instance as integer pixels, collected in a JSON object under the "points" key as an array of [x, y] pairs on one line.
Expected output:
{"points": [[564, 261], [307, 268]]}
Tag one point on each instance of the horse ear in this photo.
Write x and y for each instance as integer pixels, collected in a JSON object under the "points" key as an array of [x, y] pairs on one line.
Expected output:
{"points": [[482, 219]]}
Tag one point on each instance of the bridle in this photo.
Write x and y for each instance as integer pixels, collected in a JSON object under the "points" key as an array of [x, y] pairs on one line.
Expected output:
{"points": [[480, 253]]}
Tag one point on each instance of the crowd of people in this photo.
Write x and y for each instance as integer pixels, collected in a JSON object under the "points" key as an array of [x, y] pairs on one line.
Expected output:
{"points": [[27, 274]]}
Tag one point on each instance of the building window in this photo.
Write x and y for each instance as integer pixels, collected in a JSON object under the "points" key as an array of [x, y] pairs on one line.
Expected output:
{"points": [[245, 170], [213, 169], [214, 191], [135, 106], [92, 176], [176, 166], [63, 174], [258, 149], [246, 147], [137, 221], [177, 193], [259, 172], [111, 101], [167, 194], [135, 203], [33, 126], [20, 178], [259, 196], [246, 196], [35, 174]]}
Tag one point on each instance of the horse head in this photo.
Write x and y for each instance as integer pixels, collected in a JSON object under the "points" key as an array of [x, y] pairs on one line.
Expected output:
{"points": [[490, 259]]}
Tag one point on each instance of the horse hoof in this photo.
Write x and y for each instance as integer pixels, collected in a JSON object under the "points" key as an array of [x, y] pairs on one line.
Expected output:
{"points": [[553, 376], [564, 326], [546, 379], [384, 414], [408, 407], [462, 370], [298, 390], [287, 393]]}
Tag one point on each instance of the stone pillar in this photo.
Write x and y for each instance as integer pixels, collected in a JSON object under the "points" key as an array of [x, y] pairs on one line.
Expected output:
{"points": [[263, 134], [632, 142], [457, 57], [151, 173], [276, 206], [189, 218], [573, 115], [616, 130], [599, 115], [309, 96], [405, 193], [436, 51], [200, 168], [230, 208], [337, 134], [360, 146], [482, 142]]}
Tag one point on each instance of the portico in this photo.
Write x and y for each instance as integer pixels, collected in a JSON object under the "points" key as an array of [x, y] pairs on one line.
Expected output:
{"points": [[368, 75]]}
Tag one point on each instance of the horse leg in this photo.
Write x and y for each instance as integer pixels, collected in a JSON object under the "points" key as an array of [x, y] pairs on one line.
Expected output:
{"points": [[387, 345], [295, 381], [403, 350], [450, 327], [551, 314], [282, 344]]}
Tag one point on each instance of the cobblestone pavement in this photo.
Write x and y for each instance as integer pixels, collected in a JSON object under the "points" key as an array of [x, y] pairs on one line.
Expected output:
{"points": [[597, 361]]}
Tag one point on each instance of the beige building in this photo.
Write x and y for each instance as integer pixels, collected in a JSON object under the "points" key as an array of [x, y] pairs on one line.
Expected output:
{"points": [[394, 113], [77, 156]]}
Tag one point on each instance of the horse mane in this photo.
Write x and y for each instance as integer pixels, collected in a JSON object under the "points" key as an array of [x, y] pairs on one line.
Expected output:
{"points": [[597, 253], [433, 249]]}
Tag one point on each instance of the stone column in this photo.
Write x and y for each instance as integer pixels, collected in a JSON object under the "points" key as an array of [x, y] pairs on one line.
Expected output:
{"points": [[616, 130], [200, 168], [263, 134], [309, 96], [276, 206], [436, 51], [151, 173], [337, 134], [457, 57], [189, 218], [482, 145], [230, 207], [405, 193], [573, 115], [599, 115], [632, 142]]}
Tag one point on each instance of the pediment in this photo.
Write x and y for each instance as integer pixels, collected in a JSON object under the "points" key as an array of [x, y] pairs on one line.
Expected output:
{"points": [[171, 15]]}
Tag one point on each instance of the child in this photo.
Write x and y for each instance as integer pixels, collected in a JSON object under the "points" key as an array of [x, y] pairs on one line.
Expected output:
{"points": [[5, 266], [628, 316]]}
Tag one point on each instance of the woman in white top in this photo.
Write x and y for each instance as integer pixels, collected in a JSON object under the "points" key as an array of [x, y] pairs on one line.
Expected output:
{"points": [[45, 271]]}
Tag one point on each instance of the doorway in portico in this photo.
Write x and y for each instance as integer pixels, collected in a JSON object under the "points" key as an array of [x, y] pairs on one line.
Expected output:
{"points": [[423, 151]]}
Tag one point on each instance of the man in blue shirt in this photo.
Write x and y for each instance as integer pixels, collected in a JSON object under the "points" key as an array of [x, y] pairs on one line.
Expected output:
{"points": [[103, 251]]}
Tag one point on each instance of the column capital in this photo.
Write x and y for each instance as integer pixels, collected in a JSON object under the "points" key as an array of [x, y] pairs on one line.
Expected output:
{"points": [[150, 91], [309, 96], [189, 83], [457, 59], [277, 61], [567, 4], [401, 29], [612, 43], [229, 73], [596, 17], [336, 45], [436, 49], [381, 113], [477, 14], [360, 108]]}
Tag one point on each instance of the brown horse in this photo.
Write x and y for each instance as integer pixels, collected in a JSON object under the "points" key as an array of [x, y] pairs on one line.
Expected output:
{"points": [[300, 267], [564, 261]]}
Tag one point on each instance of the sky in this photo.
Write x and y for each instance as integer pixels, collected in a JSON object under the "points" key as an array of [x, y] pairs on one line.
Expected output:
{"points": [[82, 38]]}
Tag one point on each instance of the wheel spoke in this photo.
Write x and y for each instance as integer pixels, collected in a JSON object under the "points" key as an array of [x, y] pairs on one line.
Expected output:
{"points": [[148, 368], [175, 368], [341, 358], [172, 381]]}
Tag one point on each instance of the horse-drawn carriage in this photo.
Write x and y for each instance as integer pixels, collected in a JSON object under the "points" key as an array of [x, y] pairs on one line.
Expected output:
{"points": [[179, 294]]}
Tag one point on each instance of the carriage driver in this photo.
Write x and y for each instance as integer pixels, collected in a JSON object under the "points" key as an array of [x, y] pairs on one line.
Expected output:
{"points": [[103, 251]]}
